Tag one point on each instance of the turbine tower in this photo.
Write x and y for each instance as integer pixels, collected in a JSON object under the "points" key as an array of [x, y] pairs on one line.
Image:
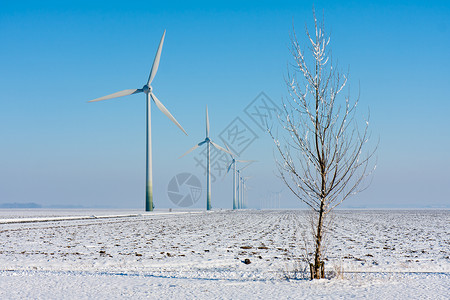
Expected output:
{"points": [[208, 143], [148, 91]]}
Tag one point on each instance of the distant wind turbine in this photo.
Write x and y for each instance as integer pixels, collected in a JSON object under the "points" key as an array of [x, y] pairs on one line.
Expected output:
{"points": [[240, 187], [148, 90], [233, 164], [208, 142], [244, 188]]}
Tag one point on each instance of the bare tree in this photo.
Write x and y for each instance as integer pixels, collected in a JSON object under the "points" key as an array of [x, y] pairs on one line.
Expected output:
{"points": [[322, 155]]}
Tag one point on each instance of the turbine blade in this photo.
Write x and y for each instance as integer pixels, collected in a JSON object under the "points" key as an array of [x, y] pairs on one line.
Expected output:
{"points": [[166, 112], [190, 150], [245, 161], [201, 143], [118, 94], [229, 167], [156, 61], [220, 148], [227, 148], [207, 122], [228, 170], [244, 167]]}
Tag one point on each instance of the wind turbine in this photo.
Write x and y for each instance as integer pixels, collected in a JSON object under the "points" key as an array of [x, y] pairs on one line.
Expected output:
{"points": [[244, 187], [208, 143], [240, 190], [148, 91], [240, 187], [233, 164]]}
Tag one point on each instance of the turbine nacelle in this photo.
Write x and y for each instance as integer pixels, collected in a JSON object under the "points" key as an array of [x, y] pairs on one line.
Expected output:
{"points": [[147, 89]]}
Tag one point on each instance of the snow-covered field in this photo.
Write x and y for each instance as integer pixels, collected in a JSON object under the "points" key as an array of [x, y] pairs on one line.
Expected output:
{"points": [[80, 254]]}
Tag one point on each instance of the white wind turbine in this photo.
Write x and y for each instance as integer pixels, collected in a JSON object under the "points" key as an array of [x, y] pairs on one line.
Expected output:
{"points": [[148, 91], [208, 142], [240, 187], [233, 164], [244, 187]]}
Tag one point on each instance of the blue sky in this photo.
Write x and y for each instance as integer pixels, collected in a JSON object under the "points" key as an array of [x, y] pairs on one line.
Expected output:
{"points": [[55, 56]]}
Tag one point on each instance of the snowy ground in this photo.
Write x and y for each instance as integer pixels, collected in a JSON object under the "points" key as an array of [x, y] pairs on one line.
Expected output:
{"points": [[57, 254]]}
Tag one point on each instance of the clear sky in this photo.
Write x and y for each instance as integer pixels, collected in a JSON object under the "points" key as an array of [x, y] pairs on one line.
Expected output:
{"points": [[56, 149]]}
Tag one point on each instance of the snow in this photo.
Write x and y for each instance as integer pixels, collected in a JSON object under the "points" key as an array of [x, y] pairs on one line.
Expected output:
{"points": [[57, 254], [67, 285]]}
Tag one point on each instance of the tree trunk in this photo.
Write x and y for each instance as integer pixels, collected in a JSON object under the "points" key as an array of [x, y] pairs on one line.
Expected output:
{"points": [[318, 263]]}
